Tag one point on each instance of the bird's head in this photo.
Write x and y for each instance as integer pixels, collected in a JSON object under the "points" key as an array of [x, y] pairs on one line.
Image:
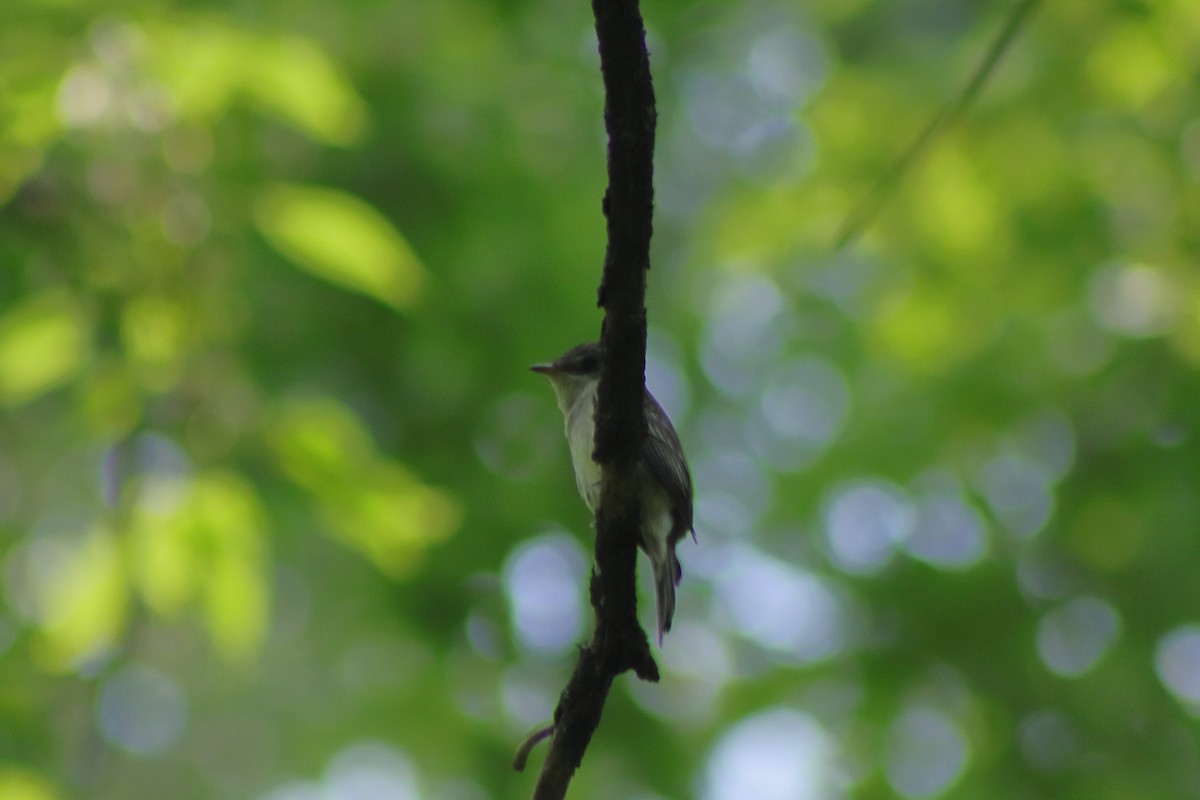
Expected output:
{"points": [[573, 373]]}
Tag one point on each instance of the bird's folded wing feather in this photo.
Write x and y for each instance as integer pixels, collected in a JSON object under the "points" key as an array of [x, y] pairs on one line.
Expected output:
{"points": [[672, 472]]}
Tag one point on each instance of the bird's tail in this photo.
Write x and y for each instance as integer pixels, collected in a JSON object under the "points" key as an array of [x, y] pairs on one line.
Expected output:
{"points": [[667, 574]]}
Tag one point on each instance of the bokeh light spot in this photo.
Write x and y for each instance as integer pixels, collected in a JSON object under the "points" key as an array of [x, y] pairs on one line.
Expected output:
{"points": [[698, 663], [141, 711], [926, 753], [371, 771], [748, 325], [665, 380], [1132, 299], [84, 97], [1072, 638], [1177, 661], [1019, 492], [786, 64], [528, 698], [948, 533], [544, 579], [774, 755], [806, 401], [780, 607], [731, 474], [720, 514], [864, 521]]}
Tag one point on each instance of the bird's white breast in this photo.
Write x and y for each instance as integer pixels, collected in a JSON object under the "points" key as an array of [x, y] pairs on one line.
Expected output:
{"points": [[580, 421]]}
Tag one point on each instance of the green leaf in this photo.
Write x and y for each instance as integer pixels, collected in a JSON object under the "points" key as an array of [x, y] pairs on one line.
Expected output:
{"points": [[340, 238], [207, 547], [21, 783], [391, 516], [375, 505], [235, 607], [43, 343], [294, 77], [317, 440], [209, 63], [84, 603]]}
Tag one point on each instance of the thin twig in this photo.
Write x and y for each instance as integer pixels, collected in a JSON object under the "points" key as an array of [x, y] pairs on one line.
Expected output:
{"points": [[870, 205], [531, 741]]}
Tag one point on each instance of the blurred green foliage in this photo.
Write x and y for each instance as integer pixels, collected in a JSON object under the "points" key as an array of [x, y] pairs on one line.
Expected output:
{"points": [[283, 516]]}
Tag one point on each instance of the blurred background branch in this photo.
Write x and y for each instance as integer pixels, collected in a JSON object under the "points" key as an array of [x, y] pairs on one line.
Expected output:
{"points": [[866, 209]]}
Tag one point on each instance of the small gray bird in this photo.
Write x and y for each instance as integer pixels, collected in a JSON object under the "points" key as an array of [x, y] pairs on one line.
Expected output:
{"points": [[662, 471]]}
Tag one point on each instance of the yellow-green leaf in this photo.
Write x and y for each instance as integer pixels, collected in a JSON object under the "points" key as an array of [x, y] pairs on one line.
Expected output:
{"points": [[923, 330], [43, 343], [83, 603], [340, 238], [22, 783], [209, 63], [392, 517], [317, 442], [295, 77], [375, 505], [235, 607], [163, 562], [199, 64], [153, 330], [208, 549], [1133, 65]]}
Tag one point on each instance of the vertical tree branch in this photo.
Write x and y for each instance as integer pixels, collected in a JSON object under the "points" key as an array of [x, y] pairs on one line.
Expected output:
{"points": [[618, 643]]}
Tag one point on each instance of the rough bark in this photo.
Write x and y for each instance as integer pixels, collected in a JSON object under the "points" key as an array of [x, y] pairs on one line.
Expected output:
{"points": [[618, 643]]}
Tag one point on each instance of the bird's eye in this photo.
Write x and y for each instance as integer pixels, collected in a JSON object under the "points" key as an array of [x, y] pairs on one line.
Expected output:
{"points": [[589, 364]]}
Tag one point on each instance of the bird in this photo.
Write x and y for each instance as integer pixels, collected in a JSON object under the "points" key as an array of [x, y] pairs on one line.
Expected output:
{"points": [[662, 470]]}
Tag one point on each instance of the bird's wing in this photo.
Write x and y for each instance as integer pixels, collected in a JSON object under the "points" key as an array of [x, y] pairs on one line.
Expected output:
{"points": [[671, 470]]}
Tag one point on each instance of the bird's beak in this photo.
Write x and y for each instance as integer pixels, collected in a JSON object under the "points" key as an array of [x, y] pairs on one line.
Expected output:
{"points": [[545, 369]]}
